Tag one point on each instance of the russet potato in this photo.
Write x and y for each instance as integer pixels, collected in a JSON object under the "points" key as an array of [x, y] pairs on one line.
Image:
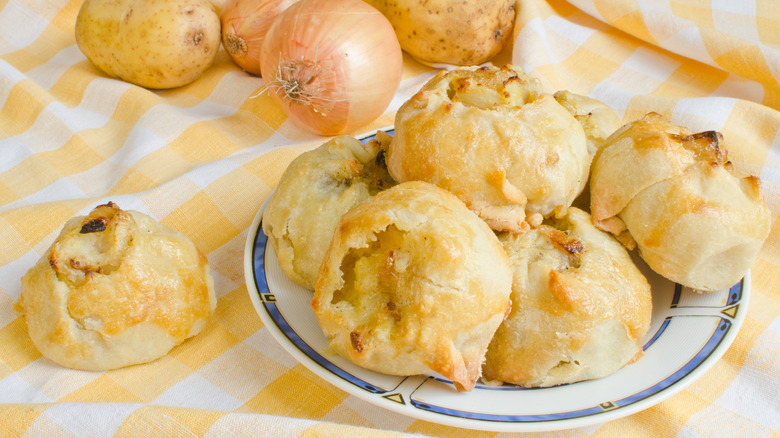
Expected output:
{"points": [[457, 32], [152, 43]]}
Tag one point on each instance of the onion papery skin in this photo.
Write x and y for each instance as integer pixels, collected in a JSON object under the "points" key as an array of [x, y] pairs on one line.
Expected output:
{"points": [[332, 66], [244, 26]]}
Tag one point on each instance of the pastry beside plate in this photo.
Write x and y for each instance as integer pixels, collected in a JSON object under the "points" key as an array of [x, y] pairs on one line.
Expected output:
{"points": [[116, 288]]}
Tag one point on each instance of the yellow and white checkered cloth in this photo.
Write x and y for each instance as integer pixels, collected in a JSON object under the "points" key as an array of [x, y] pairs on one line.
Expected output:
{"points": [[203, 158]]}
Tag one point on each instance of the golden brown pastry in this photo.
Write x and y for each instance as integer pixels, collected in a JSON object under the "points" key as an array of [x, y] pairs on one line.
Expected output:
{"points": [[580, 307], [413, 282], [116, 288], [597, 119], [492, 138], [314, 191], [675, 195]]}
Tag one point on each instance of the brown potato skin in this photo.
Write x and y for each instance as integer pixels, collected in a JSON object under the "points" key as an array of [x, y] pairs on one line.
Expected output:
{"points": [[463, 32], [152, 43]]}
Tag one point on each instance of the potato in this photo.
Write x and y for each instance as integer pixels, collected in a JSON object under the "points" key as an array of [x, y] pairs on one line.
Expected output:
{"points": [[463, 32], [151, 43]]}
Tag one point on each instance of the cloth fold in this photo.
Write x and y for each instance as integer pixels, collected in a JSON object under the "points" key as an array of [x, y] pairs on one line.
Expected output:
{"points": [[203, 158], [738, 37]]}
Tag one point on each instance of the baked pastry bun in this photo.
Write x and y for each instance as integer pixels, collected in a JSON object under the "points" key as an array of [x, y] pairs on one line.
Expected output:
{"points": [[492, 138], [116, 288], [580, 307], [314, 191], [413, 282], [597, 119], [674, 194]]}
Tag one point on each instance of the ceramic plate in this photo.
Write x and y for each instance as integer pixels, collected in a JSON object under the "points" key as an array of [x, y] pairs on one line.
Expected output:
{"points": [[689, 333]]}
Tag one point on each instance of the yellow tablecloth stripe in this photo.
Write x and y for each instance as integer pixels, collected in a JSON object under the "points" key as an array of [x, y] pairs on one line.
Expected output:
{"points": [[202, 159]]}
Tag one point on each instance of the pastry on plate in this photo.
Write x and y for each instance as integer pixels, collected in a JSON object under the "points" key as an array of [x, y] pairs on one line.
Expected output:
{"points": [[491, 137], [116, 288], [675, 195], [412, 283], [580, 306], [597, 119], [314, 191]]}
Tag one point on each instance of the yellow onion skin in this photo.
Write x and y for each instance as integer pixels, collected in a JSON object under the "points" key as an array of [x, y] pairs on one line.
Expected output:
{"points": [[244, 25], [332, 66]]}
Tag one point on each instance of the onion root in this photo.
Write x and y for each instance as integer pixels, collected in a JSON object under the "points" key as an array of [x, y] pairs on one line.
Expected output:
{"points": [[234, 44]]}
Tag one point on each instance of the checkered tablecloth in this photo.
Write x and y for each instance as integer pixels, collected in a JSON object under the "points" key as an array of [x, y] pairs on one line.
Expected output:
{"points": [[202, 159]]}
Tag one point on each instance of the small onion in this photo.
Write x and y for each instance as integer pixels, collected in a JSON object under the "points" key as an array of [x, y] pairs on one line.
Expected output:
{"points": [[244, 25], [332, 66]]}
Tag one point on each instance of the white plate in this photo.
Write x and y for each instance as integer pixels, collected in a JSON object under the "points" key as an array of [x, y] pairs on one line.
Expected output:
{"points": [[688, 334]]}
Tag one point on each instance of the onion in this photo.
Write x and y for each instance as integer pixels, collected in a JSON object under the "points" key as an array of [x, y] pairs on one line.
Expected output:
{"points": [[332, 66], [244, 25]]}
